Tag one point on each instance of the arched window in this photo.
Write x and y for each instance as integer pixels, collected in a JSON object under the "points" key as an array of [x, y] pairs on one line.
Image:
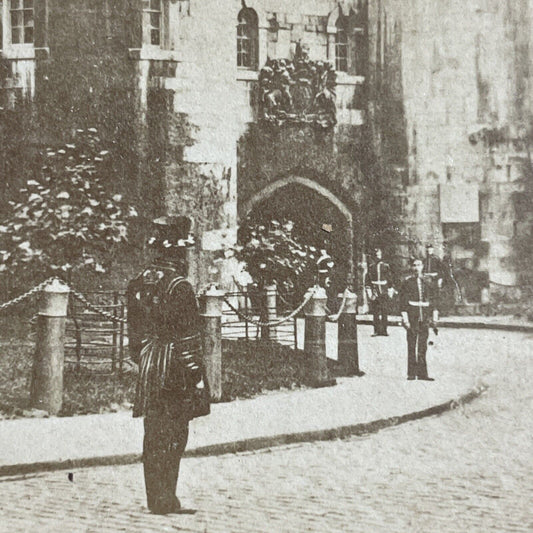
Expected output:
{"points": [[247, 39], [341, 45]]}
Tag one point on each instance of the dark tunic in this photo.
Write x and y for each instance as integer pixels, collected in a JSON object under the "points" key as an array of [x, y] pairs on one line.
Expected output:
{"points": [[418, 303], [164, 337], [434, 268], [418, 300], [379, 281], [379, 278]]}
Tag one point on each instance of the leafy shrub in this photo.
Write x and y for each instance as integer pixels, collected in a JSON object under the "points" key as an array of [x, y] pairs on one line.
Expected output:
{"points": [[65, 220]]}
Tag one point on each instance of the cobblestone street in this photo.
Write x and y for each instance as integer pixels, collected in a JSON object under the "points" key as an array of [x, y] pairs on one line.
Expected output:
{"points": [[467, 470]]}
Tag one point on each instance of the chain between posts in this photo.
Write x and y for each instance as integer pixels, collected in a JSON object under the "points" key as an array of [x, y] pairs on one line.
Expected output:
{"points": [[274, 322], [110, 316], [27, 294], [335, 318], [79, 296], [76, 294]]}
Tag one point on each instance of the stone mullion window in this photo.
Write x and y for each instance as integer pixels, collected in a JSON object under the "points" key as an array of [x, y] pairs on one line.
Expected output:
{"points": [[341, 47], [153, 22], [359, 53], [21, 21]]}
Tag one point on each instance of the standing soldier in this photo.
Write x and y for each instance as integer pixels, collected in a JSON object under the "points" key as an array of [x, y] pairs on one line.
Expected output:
{"points": [[450, 287], [164, 340], [433, 267], [419, 312], [378, 283]]}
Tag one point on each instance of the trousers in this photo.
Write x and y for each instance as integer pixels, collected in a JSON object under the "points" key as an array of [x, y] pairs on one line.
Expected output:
{"points": [[417, 344], [165, 438], [380, 312]]}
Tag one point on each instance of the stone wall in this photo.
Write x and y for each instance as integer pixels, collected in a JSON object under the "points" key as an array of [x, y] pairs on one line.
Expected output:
{"points": [[464, 70]]}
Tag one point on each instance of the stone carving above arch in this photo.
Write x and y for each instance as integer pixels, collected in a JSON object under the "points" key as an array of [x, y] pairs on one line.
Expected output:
{"points": [[298, 91]]}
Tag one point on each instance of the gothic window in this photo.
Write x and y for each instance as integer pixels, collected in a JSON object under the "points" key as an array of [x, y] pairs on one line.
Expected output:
{"points": [[247, 39], [21, 21], [153, 22], [341, 45]]}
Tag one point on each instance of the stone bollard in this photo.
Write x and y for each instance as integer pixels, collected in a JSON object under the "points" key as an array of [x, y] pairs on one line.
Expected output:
{"points": [[212, 301], [315, 338], [47, 375], [270, 312], [347, 335]]}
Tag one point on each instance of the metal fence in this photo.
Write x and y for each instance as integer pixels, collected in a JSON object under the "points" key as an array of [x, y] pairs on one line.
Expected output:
{"points": [[252, 311], [94, 341], [96, 336]]}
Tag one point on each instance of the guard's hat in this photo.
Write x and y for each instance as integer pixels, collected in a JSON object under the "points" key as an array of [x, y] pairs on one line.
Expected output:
{"points": [[172, 232]]}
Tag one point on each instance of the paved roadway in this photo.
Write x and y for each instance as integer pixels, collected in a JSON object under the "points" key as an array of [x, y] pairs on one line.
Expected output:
{"points": [[466, 471]]}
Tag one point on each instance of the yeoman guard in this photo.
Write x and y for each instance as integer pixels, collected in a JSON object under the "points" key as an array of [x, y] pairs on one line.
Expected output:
{"points": [[165, 341]]}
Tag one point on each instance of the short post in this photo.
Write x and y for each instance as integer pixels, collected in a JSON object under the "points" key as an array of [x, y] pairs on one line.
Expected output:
{"points": [[47, 375], [212, 339], [315, 338], [347, 335], [246, 311], [270, 312]]}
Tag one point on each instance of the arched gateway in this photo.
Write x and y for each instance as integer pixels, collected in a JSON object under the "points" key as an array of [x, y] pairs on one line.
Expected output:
{"points": [[291, 183]]}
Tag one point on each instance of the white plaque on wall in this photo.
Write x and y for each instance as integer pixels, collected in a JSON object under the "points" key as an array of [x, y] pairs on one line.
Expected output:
{"points": [[459, 203]]}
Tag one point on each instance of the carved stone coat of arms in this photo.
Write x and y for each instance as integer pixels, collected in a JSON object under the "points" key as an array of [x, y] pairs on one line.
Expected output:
{"points": [[298, 91]]}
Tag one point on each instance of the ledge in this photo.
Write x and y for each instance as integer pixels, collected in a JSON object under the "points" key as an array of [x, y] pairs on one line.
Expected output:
{"points": [[244, 74], [25, 52], [348, 79], [153, 54]]}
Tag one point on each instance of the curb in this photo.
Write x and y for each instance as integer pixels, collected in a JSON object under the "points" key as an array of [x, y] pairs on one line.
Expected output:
{"points": [[523, 328], [249, 445]]}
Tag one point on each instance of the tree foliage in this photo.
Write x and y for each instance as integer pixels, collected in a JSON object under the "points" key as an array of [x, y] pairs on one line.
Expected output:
{"points": [[273, 252], [64, 219]]}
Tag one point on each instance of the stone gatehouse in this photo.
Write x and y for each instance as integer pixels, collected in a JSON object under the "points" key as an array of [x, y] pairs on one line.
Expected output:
{"points": [[217, 109]]}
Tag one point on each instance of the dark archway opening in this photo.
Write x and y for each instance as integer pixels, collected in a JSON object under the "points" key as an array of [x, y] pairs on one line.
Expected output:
{"points": [[317, 222]]}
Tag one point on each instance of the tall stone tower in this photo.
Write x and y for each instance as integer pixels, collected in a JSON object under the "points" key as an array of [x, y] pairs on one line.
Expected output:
{"points": [[451, 108]]}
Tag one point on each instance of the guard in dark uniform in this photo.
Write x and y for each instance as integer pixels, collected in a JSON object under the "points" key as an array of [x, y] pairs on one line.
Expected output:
{"points": [[378, 283], [419, 313], [450, 287], [433, 267], [164, 340]]}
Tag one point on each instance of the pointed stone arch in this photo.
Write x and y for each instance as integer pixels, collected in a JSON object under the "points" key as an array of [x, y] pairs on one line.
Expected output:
{"points": [[272, 188]]}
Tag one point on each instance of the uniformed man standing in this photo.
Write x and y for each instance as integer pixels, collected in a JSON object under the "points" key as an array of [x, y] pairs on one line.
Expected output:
{"points": [[164, 339], [378, 285], [419, 313], [433, 267]]}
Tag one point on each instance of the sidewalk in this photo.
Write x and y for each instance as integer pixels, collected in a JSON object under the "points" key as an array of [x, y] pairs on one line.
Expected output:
{"points": [[381, 398], [497, 322]]}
